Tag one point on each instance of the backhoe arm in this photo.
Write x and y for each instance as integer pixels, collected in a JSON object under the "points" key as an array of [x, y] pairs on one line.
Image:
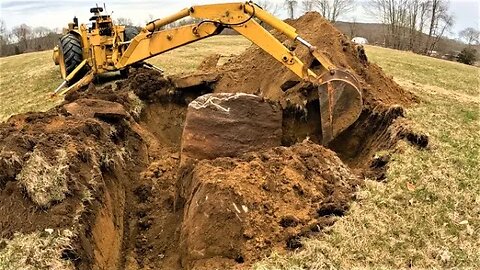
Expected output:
{"points": [[238, 16]]}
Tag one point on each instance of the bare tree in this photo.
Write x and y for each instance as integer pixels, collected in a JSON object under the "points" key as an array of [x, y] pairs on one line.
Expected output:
{"points": [[269, 6], [446, 21], [353, 27], [4, 37], [470, 35], [291, 5], [308, 5], [406, 20], [123, 21], [423, 16], [3, 33], [40, 31], [417, 15], [22, 33], [439, 21], [333, 9], [393, 14], [37, 38], [412, 17]]}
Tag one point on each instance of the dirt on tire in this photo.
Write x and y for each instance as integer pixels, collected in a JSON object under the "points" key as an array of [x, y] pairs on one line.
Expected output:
{"points": [[106, 165]]}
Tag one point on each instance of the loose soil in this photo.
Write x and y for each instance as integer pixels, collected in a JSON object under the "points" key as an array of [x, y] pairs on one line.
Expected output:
{"points": [[130, 202]]}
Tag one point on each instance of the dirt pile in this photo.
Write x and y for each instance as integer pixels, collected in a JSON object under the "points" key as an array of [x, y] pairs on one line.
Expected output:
{"points": [[256, 72], [105, 165], [242, 208], [60, 171]]}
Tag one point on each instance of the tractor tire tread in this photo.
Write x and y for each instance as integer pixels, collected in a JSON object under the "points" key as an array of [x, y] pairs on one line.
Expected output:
{"points": [[71, 48], [130, 32]]}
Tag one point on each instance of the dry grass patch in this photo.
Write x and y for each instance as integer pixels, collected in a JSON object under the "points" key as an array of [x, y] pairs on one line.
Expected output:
{"points": [[38, 250], [26, 82], [186, 59], [45, 181]]}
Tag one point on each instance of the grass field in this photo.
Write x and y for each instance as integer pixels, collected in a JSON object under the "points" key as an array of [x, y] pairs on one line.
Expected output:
{"points": [[427, 213]]}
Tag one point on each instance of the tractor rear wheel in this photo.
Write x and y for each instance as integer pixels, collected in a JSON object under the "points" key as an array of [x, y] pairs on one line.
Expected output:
{"points": [[71, 55], [130, 32]]}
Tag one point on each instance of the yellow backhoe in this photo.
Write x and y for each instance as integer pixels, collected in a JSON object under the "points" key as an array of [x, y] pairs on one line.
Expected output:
{"points": [[84, 52]]}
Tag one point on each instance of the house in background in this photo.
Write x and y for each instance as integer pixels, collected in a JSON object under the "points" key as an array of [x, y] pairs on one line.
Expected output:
{"points": [[360, 40]]}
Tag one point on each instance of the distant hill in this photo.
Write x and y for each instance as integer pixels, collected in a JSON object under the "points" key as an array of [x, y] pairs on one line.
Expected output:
{"points": [[374, 32]]}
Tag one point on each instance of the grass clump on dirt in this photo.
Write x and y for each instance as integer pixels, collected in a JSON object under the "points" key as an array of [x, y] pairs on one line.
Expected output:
{"points": [[137, 105], [45, 181], [38, 250]]}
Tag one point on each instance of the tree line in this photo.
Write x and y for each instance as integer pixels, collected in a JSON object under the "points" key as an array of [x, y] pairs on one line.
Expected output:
{"points": [[23, 38], [415, 25]]}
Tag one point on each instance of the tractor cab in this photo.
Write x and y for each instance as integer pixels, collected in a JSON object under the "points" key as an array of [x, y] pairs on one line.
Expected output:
{"points": [[103, 23]]}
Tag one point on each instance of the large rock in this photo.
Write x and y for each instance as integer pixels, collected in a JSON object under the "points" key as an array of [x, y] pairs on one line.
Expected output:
{"points": [[89, 108], [228, 125]]}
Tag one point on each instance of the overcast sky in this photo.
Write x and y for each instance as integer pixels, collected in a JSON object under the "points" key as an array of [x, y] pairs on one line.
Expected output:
{"points": [[55, 14]]}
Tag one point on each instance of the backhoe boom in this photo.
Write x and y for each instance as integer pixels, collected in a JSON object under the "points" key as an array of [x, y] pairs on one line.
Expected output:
{"points": [[237, 16]]}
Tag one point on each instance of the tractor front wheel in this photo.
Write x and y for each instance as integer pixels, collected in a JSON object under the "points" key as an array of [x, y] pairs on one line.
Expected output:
{"points": [[71, 55]]}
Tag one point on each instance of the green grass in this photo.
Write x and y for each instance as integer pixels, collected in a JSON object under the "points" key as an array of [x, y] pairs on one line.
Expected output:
{"points": [[427, 213]]}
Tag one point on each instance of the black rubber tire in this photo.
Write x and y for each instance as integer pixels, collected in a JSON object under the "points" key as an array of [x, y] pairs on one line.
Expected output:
{"points": [[71, 48], [130, 32]]}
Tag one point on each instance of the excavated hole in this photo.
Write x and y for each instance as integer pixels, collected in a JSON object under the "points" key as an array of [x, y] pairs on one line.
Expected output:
{"points": [[137, 217], [153, 210]]}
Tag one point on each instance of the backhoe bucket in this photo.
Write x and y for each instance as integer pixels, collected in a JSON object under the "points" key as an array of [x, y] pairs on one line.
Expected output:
{"points": [[340, 103]]}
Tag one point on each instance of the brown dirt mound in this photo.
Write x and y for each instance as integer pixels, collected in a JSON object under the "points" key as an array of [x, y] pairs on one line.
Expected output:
{"points": [[106, 165], [260, 202], [59, 171], [256, 72]]}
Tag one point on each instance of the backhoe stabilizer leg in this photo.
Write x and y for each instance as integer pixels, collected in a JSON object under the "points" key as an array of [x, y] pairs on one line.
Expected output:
{"points": [[153, 67], [62, 85], [70, 77], [86, 80]]}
